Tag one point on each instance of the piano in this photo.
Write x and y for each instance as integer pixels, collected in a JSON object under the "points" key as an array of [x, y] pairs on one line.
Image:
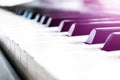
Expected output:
{"points": [[45, 43]]}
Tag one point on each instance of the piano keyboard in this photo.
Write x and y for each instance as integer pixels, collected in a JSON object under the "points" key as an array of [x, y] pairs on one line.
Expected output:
{"points": [[58, 42]]}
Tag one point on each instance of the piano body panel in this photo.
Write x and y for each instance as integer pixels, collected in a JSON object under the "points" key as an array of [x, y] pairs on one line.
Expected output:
{"points": [[7, 72]]}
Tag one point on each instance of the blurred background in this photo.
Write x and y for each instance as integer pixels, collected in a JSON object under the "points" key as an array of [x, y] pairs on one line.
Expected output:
{"points": [[109, 5]]}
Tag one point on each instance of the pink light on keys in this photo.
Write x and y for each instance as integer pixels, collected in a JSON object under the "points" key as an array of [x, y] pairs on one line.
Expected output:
{"points": [[111, 5], [93, 5]]}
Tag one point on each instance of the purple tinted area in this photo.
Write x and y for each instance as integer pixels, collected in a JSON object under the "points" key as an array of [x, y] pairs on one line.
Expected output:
{"points": [[67, 24], [113, 42], [57, 18], [39, 18], [56, 21], [45, 21], [101, 34], [60, 15], [85, 28]]}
